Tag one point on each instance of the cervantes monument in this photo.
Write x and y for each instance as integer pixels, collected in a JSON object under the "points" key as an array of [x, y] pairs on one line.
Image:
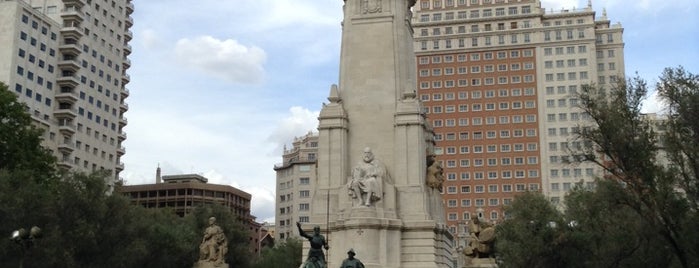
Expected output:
{"points": [[374, 143]]}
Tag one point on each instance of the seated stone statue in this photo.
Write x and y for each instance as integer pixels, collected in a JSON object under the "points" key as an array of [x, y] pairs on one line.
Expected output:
{"points": [[214, 245], [435, 173], [366, 183], [481, 238]]}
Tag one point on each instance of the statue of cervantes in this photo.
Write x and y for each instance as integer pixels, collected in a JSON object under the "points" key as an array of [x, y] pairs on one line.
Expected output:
{"points": [[366, 182]]}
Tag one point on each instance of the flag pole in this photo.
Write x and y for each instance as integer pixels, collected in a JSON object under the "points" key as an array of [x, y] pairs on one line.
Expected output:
{"points": [[327, 221]]}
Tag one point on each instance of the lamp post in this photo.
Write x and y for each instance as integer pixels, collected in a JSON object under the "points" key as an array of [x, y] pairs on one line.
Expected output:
{"points": [[26, 240]]}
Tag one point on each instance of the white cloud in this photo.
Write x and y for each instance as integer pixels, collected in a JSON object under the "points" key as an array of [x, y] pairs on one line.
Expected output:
{"points": [[262, 204], [150, 39], [557, 5], [286, 12], [225, 59], [652, 104], [298, 123]]}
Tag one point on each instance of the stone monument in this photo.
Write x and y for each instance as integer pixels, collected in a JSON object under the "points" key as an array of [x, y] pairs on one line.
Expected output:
{"points": [[213, 247], [372, 193], [479, 247]]}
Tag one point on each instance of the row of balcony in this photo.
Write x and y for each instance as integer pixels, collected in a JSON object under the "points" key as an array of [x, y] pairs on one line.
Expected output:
{"points": [[123, 107], [122, 136], [69, 47], [68, 163], [123, 121], [127, 49], [66, 147], [125, 93], [121, 150], [68, 79], [66, 127], [65, 112], [76, 3], [69, 63], [72, 13], [129, 8], [66, 95]]}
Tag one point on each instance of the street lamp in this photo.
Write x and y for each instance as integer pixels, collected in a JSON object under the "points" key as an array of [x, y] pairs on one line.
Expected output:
{"points": [[25, 240]]}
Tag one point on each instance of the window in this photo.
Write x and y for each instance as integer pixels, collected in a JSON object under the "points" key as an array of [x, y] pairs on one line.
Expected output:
{"points": [[507, 187], [465, 176], [451, 203], [465, 203], [451, 189]]}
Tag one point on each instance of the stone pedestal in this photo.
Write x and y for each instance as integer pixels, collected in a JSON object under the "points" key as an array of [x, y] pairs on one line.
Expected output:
{"points": [[208, 264], [480, 263]]}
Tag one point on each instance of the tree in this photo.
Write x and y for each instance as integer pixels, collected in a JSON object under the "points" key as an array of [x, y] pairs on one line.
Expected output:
{"points": [[82, 226], [286, 254], [532, 236], [237, 234], [27, 173], [20, 141], [659, 190], [643, 211], [609, 233]]}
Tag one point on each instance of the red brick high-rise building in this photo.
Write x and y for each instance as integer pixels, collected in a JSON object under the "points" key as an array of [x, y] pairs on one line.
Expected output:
{"points": [[498, 80]]}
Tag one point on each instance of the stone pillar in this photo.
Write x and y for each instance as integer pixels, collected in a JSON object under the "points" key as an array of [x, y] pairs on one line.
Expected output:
{"points": [[375, 106]]}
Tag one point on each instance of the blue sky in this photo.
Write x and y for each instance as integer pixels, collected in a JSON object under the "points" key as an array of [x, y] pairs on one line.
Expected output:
{"points": [[219, 87]]}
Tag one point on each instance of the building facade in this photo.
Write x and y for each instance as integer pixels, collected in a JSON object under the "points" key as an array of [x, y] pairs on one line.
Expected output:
{"points": [[183, 193], [67, 60], [295, 179], [498, 79]]}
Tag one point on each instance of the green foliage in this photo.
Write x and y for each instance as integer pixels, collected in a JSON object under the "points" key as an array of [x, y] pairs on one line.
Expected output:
{"points": [[613, 235], [20, 141], [82, 226], [532, 237], [643, 212], [286, 254], [238, 235], [659, 190]]}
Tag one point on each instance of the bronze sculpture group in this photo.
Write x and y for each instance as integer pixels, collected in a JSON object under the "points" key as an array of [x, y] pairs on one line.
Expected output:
{"points": [[316, 256]]}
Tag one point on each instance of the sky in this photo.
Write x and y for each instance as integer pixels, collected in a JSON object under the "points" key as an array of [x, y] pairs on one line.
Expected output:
{"points": [[218, 88]]}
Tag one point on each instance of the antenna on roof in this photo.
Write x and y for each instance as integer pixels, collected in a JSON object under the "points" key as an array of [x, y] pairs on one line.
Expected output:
{"points": [[158, 179]]}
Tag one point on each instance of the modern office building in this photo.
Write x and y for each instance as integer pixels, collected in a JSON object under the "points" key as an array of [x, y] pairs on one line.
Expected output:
{"points": [[67, 60], [498, 79], [183, 193], [295, 179]]}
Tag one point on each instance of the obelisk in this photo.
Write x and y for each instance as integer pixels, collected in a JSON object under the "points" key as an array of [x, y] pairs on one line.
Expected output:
{"points": [[371, 193]]}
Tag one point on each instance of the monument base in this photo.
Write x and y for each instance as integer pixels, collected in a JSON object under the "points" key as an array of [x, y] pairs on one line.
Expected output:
{"points": [[389, 242], [208, 264], [480, 263]]}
